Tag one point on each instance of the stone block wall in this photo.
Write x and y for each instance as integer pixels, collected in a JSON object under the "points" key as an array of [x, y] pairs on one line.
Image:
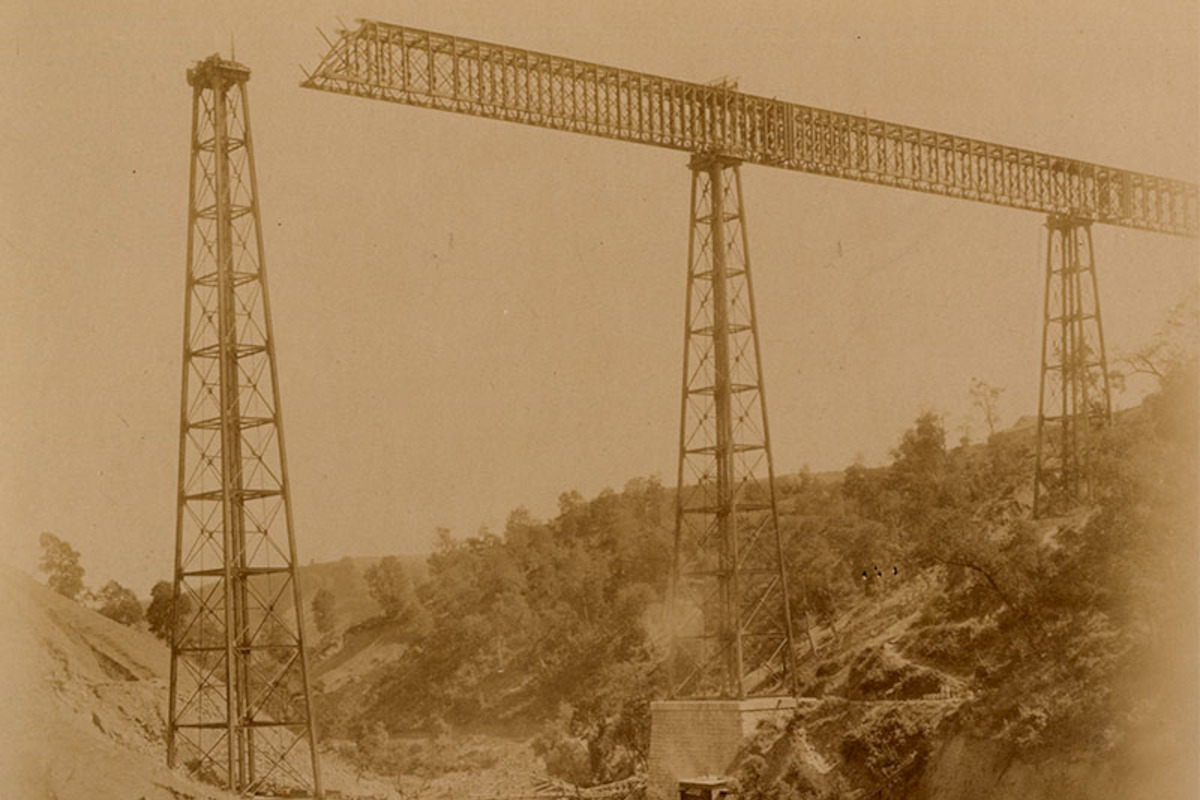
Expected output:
{"points": [[702, 738]]}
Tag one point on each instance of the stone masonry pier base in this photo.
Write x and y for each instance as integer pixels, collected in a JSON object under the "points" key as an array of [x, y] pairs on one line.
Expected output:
{"points": [[701, 738]]}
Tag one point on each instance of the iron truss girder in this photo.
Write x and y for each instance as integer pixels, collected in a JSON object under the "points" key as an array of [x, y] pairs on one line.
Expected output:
{"points": [[381, 61]]}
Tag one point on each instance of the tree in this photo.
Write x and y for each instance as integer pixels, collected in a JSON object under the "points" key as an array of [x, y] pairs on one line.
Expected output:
{"points": [[389, 587], [862, 488], [920, 470], [162, 609], [60, 562], [1175, 344], [986, 397], [119, 604], [324, 610]]}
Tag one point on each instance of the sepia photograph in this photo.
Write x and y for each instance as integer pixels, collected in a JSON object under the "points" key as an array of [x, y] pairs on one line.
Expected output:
{"points": [[533, 527]]}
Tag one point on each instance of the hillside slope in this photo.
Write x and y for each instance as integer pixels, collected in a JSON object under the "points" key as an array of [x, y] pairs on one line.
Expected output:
{"points": [[85, 710], [1004, 658], [884, 719], [346, 580]]}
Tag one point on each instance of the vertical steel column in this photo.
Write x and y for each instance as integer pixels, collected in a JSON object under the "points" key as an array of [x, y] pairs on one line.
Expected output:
{"points": [[231, 471], [189, 287], [1074, 397], [674, 597], [785, 590], [726, 506], [730, 611], [284, 480], [240, 711]]}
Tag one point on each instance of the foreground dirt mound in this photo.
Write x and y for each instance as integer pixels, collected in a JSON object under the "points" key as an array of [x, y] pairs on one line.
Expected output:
{"points": [[85, 710], [86, 706]]}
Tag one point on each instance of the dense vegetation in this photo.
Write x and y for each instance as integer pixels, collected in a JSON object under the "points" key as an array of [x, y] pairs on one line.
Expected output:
{"points": [[1076, 638], [1063, 632], [1073, 635], [1076, 635], [546, 625]]}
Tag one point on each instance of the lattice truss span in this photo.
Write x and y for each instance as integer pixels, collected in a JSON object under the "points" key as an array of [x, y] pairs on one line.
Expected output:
{"points": [[1075, 400], [240, 714], [731, 617], [729, 639], [417, 67]]}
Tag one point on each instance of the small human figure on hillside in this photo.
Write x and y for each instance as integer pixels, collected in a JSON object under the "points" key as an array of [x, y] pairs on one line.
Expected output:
{"points": [[873, 574]]}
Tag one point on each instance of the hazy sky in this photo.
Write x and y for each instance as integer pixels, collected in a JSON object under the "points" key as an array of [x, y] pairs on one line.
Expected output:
{"points": [[472, 315]]}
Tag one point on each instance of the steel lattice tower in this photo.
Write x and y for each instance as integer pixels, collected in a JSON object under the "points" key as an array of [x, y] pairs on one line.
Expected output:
{"points": [[240, 712], [731, 616], [1074, 399]]}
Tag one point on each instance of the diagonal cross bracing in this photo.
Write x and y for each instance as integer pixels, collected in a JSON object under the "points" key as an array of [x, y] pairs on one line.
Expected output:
{"points": [[731, 621], [240, 711]]}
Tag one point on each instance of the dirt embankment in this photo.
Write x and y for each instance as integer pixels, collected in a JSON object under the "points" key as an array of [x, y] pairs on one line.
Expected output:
{"points": [[85, 709]]}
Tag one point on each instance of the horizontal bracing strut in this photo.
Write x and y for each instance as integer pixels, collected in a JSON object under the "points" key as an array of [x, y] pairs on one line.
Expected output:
{"points": [[433, 70]]}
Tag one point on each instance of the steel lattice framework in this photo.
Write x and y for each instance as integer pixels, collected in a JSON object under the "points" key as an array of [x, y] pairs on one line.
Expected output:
{"points": [[731, 611], [733, 627], [452, 73], [240, 711], [1074, 398]]}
